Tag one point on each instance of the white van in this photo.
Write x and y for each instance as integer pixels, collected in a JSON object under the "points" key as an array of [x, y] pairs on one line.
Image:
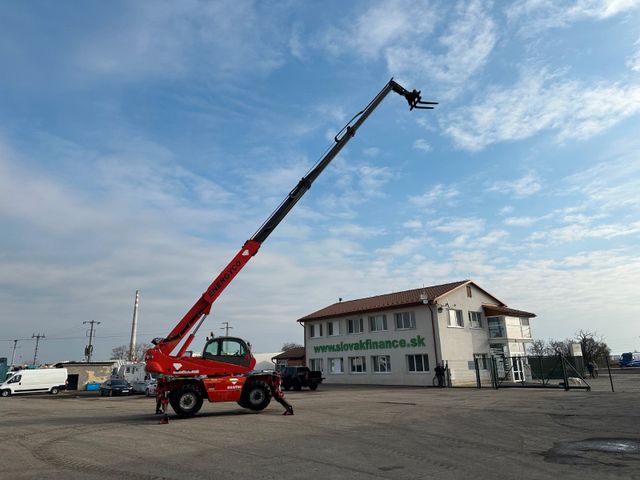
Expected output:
{"points": [[50, 380]]}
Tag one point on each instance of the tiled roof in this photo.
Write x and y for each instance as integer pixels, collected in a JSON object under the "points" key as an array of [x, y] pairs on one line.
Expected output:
{"points": [[495, 310], [381, 302], [296, 352]]}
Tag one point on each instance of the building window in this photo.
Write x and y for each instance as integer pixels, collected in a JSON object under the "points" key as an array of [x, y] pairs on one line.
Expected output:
{"points": [[418, 363], [333, 328], [455, 318], [381, 364], [378, 323], [483, 360], [355, 325], [496, 327], [475, 319], [316, 364], [469, 291], [315, 330], [357, 365], [405, 320], [335, 365]]}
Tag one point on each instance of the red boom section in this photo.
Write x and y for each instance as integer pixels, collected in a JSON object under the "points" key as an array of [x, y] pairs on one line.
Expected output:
{"points": [[203, 305]]}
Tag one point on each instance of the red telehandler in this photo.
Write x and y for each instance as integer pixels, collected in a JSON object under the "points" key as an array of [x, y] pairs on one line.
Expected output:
{"points": [[224, 371]]}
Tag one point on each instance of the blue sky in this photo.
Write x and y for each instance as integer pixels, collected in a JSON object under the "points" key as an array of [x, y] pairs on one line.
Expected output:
{"points": [[141, 143]]}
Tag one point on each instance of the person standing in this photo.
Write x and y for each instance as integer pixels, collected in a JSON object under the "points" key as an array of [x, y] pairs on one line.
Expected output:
{"points": [[440, 371]]}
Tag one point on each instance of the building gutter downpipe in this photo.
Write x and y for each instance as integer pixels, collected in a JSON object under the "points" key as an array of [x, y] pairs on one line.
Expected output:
{"points": [[433, 330]]}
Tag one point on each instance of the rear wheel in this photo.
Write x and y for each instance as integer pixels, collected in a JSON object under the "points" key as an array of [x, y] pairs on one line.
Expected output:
{"points": [[297, 386], [187, 401], [54, 391], [313, 386], [256, 396]]}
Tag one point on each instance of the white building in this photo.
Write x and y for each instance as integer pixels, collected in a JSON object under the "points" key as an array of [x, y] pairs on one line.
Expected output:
{"points": [[398, 338]]}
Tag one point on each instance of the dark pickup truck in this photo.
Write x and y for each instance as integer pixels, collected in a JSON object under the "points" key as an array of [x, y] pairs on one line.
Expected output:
{"points": [[298, 377]]}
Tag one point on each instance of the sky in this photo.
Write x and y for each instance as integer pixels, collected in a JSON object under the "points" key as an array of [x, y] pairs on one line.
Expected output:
{"points": [[141, 144]]}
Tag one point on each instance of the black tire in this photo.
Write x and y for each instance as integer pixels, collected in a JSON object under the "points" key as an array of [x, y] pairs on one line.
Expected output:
{"points": [[286, 386], [101, 393], [297, 386], [5, 393], [313, 386], [54, 391], [186, 402], [256, 396]]}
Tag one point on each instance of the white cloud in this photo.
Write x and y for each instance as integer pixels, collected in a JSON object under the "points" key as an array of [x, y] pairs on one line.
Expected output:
{"points": [[538, 15], [521, 221], [371, 152], [437, 193], [401, 32], [522, 187], [611, 185], [465, 226], [634, 60], [403, 247], [169, 39], [414, 224], [467, 45], [577, 231], [505, 210], [422, 145], [541, 101]]}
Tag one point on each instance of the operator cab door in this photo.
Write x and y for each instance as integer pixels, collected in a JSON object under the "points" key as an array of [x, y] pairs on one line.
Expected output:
{"points": [[228, 350]]}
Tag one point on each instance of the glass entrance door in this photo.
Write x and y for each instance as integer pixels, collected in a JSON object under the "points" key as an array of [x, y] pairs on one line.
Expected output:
{"points": [[518, 369]]}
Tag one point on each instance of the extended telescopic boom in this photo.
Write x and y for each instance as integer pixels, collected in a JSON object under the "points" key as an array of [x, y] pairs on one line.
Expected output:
{"points": [[203, 306]]}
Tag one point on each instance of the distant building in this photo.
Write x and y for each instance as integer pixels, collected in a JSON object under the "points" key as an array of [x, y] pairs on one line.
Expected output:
{"points": [[82, 373], [398, 338], [293, 357]]}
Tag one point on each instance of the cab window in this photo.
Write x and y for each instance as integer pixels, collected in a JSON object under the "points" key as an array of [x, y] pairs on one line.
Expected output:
{"points": [[226, 347], [15, 379]]}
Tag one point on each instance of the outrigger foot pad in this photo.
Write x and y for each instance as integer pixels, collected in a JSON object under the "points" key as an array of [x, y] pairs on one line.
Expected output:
{"points": [[288, 411], [164, 420]]}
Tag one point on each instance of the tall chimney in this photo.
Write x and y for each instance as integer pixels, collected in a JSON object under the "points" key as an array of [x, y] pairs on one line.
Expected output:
{"points": [[134, 329]]}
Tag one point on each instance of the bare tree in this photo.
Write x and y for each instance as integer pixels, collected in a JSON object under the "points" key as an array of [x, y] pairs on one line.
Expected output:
{"points": [[593, 345], [538, 348], [289, 345], [560, 347], [121, 352]]}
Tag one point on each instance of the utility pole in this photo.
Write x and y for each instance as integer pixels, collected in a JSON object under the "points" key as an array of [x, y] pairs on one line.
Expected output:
{"points": [[226, 328], [134, 328], [35, 353], [13, 354], [88, 350]]}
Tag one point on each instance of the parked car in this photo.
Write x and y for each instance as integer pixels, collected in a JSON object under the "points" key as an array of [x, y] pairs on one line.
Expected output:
{"points": [[634, 364], [50, 380], [298, 377], [115, 386], [144, 386], [150, 391]]}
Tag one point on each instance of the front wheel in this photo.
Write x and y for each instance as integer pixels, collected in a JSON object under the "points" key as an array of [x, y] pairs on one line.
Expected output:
{"points": [[186, 402], [257, 396], [313, 386], [5, 393]]}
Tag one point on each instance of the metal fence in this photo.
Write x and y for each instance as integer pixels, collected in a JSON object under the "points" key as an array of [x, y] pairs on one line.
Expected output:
{"points": [[557, 371]]}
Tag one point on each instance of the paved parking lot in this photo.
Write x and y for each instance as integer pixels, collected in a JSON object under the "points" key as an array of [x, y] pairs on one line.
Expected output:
{"points": [[337, 432]]}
